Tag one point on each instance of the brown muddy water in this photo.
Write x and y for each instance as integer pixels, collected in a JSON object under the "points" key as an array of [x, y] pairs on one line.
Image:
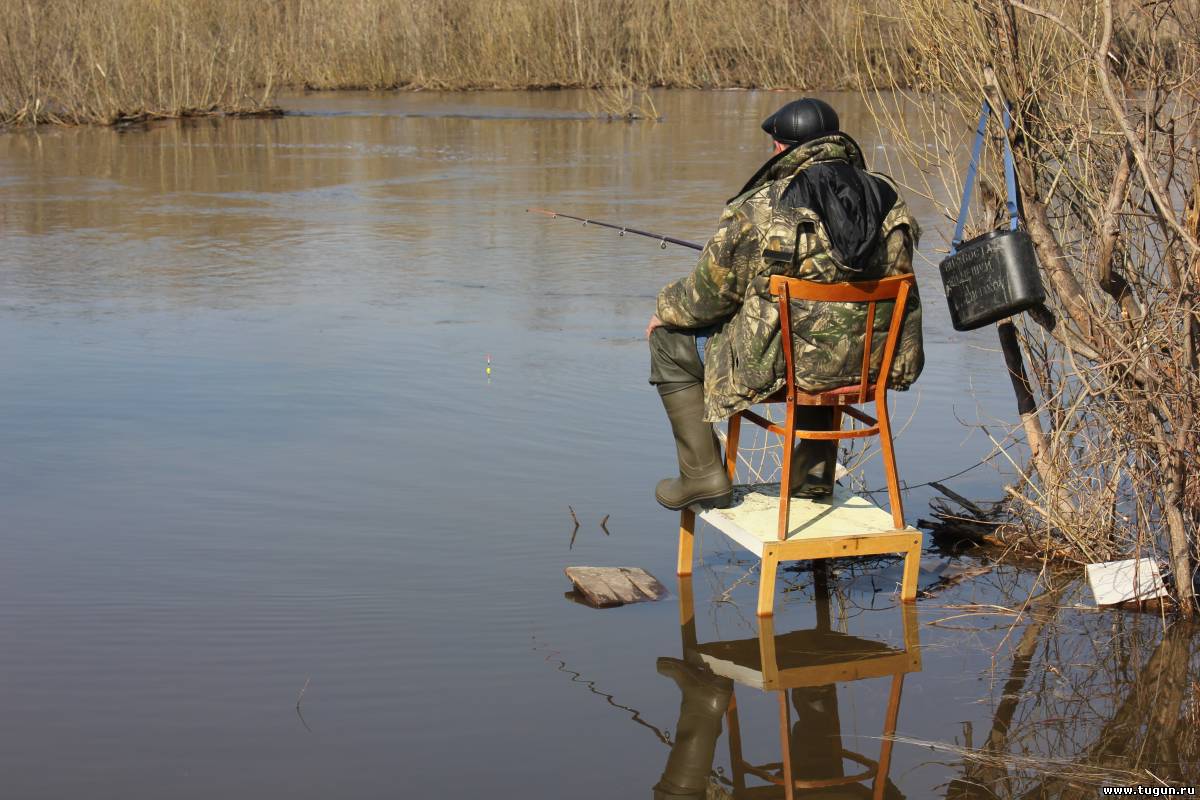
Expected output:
{"points": [[248, 445]]}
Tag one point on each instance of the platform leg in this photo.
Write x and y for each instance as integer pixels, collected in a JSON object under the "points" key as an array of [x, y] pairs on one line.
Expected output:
{"points": [[912, 640], [912, 566], [687, 540], [766, 652], [687, 604], [785, 739], [766, 583]]}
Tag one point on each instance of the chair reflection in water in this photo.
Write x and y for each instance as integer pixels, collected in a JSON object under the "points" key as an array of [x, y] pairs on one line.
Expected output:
{"points": [[803, 667]]}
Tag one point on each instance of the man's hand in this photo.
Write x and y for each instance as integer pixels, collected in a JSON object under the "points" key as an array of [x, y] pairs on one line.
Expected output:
{"points": [[655, 322]]}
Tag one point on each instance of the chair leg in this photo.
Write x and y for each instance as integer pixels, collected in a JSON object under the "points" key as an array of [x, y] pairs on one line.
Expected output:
{"points": [[785, 477], [687, 539], [836, 425], [912, 566], [766, 582], [889, 463], [736, 763], [733, 432]]}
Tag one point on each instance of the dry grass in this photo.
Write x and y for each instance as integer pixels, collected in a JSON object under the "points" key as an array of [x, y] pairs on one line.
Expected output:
{"points": [[507, 44], [75, 61], [110, 60]]}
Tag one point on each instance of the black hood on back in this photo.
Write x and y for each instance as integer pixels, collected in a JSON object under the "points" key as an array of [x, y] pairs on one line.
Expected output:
{"points": [[850, 201]]}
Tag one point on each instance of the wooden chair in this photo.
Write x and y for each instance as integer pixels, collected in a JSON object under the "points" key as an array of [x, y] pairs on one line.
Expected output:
{"points": [[843, 401]]}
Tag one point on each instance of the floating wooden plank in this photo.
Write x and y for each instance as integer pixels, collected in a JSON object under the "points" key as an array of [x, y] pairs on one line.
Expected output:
{"points": [[604, 587], [753, 519]]}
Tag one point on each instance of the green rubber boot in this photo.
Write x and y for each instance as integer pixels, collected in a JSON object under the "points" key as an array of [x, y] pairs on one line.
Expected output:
{"points": [[702, 477], [813, 460], [705, 699], [813, 463]]}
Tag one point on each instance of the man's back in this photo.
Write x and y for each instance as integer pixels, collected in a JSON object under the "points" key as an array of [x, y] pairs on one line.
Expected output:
{"points": [[813, 213], [851, 202]]}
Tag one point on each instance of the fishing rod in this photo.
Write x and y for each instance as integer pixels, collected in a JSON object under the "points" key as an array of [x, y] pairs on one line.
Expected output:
{"points": [[663, 241]]}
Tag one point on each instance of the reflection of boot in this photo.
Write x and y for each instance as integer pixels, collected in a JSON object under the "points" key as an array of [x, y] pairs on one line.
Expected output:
{"points": [[705, 699], [816, 740], [702, 477], [813, 460]]}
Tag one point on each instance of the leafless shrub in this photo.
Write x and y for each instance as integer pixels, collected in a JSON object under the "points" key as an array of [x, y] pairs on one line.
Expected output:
{"points": [[623, 100], [1105, 105]]}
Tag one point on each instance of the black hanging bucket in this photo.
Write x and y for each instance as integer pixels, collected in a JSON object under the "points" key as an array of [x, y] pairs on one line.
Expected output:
{"points": [[995, 275]]}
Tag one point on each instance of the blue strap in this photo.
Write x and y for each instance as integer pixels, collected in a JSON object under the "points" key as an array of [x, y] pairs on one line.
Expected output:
{"points": [[1010, 177], [969, 183], [1010, 174]]}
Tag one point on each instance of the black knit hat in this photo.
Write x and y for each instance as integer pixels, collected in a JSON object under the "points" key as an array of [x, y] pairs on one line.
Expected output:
{"points": [[801, 120]]}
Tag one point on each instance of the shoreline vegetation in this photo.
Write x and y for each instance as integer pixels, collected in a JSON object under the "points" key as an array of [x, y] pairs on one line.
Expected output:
{"points": [[113, 61]]}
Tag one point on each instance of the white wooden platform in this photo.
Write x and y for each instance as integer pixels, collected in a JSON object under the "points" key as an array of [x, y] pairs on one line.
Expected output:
{"points": [[839, 526], [753, 519]]}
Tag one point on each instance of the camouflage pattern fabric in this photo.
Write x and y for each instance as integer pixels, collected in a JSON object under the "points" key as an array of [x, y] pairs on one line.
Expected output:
{"points": [[755, 239]]}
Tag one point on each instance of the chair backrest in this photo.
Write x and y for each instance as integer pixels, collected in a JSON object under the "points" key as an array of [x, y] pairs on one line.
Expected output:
{"points": [[895, 288]]}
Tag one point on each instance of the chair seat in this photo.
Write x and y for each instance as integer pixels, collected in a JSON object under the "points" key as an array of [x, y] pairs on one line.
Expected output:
{"points": [[841, 396]]}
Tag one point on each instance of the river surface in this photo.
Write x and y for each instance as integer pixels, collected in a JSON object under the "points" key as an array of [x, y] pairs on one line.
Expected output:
{"points": [[271, 528]]}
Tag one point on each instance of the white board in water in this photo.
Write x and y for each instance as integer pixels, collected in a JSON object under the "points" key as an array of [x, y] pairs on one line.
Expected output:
{"points": [[1132, 579]]}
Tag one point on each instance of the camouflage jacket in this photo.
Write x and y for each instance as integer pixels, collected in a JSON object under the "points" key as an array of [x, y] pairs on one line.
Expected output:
{"points": [[757, 237]]}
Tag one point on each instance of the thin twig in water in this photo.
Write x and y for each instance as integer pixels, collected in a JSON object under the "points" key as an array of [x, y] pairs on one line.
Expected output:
{"points": [[575, 530], [303, 721], [553, 656], [1067, 768], [726, 596], [303, 689], [958, 498]]}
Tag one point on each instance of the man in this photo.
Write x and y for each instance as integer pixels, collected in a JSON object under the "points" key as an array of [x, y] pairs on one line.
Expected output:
{"points": [[812, 212]]}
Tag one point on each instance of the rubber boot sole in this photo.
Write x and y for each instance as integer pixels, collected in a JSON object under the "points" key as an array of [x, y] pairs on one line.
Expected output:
{"points": [[721, 498]]}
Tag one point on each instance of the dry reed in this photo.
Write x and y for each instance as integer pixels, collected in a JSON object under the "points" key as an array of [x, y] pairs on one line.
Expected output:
{"points": [[76, 61], [112, 60], [511, 44]]}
